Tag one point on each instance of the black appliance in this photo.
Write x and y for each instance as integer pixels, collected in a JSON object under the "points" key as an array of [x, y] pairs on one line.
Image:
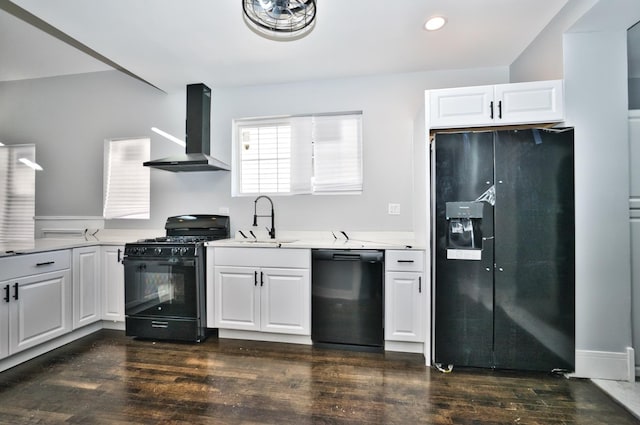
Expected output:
{"points": [[165, 279], [347, 298], [504, 249], [198, 135]]}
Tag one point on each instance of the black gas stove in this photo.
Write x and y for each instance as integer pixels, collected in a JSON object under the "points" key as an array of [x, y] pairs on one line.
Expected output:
{"points": [[184, 234], [165, 279]]}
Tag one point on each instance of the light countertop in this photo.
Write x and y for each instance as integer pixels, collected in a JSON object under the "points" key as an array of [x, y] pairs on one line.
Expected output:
{"points": [[323, 240], [102, 237], [309, 240]]}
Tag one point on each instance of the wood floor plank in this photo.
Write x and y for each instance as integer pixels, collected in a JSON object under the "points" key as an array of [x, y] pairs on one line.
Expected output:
{"points": [[107, 378]]}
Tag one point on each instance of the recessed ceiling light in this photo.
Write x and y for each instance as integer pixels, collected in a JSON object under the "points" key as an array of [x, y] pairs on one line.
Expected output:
{"points": [[435, 23]]}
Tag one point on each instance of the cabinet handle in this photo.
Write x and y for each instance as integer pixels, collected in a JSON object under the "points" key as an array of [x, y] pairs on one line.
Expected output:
{"points": [[255, 278], [261, 278], [491, 109], [119, 260], [405, 261], [500, 109], [15, 291], [157, 324], [46, 263], [6, 293], [420, 284]]}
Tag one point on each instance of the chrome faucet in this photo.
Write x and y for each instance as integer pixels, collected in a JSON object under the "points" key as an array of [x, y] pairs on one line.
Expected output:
{"points": [[272, 231]]}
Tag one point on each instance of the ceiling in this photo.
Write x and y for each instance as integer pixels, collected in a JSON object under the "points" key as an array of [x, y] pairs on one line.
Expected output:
{"points": [[172, 43]]}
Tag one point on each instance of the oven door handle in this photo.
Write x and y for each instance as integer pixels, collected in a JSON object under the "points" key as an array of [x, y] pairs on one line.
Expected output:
{"points": [[184, 263]]}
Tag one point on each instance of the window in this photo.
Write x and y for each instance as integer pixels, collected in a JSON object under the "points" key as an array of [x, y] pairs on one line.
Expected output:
{"points": [[17, 193], [126, 180], [312, 154]]}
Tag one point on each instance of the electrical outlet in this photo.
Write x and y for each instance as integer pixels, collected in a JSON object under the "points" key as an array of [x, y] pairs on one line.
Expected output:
{"points": [[223, 210], [394, 209]]}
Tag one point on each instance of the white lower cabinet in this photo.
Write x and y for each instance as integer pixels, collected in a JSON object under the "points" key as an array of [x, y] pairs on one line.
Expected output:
{"points": [[36, 302], [87, 286], [404, 296], [249, 295], [112, 283]]}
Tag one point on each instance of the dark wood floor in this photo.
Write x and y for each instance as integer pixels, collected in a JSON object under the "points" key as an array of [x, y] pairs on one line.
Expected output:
{"points": [[108, 378]]}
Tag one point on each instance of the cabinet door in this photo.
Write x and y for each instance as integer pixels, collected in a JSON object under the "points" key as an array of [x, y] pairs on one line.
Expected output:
{"points": [[237, 298], [5, 297], [112, 283], [42, 310], [285, 304], [86, 286], [403, 306], [461, 107], [538, 101]]}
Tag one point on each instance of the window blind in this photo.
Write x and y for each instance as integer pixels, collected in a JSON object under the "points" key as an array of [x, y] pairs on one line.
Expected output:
{"points": [[337, 154], [318, 154], [17, 193], [126, 181]]}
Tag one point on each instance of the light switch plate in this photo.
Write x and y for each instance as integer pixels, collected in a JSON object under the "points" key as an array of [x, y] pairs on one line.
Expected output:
{"points": [[394, 209]]}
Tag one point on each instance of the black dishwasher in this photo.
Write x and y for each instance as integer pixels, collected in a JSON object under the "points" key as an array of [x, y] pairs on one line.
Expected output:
{"points": [[347, 298]]}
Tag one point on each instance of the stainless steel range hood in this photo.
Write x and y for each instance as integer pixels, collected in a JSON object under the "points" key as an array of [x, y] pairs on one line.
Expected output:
{"points": [[197, 156]]}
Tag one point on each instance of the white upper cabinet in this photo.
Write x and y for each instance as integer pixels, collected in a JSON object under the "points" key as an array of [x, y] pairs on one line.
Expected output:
{"points": [[460, 107], [502, 104]]}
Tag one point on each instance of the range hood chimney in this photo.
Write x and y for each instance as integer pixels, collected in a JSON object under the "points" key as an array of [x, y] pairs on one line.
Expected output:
{"points": [[198, 137]]}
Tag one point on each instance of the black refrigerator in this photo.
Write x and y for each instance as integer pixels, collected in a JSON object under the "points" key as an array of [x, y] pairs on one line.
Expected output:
{"points": [[504, 246]]}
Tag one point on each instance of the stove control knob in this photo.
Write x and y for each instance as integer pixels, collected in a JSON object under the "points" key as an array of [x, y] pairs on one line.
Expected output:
{"points": [[175, 250], [184, 251], [158, 251]]}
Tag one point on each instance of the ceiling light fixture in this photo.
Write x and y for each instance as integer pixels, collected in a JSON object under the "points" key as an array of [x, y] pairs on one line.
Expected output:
{"points": [[280, 19], [166, 135], [30, 164], [435, 23]]}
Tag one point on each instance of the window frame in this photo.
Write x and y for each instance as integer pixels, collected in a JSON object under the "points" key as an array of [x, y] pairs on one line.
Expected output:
{"points": [[107, 170], [239, 124]]}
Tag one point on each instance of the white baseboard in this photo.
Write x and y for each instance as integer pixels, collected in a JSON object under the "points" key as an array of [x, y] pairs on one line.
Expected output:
{"points": [[404, 347], [110, 324], [45, 347], [264, 336], [605, 365]]}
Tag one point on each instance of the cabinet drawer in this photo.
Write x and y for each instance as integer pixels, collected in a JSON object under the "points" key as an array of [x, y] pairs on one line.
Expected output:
{"points": [[404, 260], [263, 257], [30, 264]]}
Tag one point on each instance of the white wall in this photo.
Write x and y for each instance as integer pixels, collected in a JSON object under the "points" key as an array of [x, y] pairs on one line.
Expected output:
{"points": [[634, 213], [542, 59], [68, 119], [595, 68]]}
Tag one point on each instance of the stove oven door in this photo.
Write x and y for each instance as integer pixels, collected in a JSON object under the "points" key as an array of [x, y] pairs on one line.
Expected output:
{"points": [[161, 298]]}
